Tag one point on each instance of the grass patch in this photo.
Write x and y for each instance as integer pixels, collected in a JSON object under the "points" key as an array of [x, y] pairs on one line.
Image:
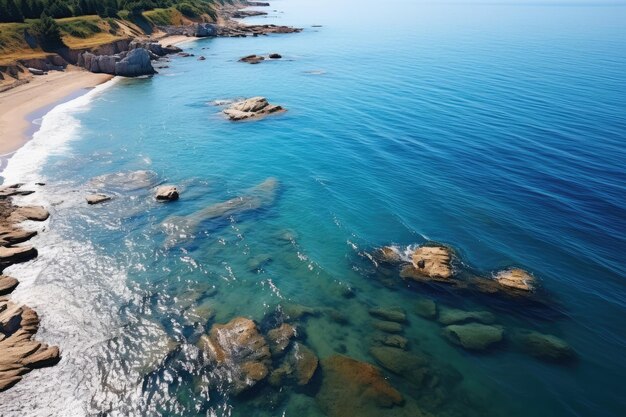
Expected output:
{"points": [[164, 17]]}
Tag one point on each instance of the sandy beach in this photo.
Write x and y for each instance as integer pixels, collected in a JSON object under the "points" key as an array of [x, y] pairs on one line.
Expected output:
{"points": [[17, 103]]}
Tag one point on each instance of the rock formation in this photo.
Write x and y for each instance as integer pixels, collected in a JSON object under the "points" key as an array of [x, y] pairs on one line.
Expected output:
{"points": [[546, 347], [255, 107], [429, 263], [97, 199], [239, 352], [19, 353], [473, 336], [354, 388], [516, 279], [167, 193]]}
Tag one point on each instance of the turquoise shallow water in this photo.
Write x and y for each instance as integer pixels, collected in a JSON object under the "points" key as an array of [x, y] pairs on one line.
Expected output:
{"points": [[495, 129]]}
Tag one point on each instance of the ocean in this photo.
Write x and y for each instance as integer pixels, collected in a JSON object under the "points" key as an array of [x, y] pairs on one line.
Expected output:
{"points": [[498, 129]]}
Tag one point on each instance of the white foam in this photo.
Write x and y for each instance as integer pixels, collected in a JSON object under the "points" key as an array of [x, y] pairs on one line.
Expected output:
{"points": [[58, 127]]}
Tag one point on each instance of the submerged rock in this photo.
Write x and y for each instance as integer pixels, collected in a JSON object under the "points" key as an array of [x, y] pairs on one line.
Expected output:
{"points": [[426, 308], [251, 108], [239, 351], [297, 367], [449, 316], [546, 347], [516, 279], [167, 193], [97, 199], [181, 228], [413, 368], [280, 338], [388, 326], [393, 340], [473, 336], [299, 311], [396, 314], [354, 388], [125, 181]]}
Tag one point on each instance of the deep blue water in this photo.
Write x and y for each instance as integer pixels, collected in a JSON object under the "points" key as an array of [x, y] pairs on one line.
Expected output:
{"points": [[496, 129]]}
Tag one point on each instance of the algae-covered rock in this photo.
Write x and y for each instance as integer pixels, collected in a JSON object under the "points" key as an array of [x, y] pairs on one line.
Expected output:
{"points": [[299, 311], [473, 336], [280, 338], [426, 308], [298, 367], [354, 388], [393, 340], [388, 326], [412, 367], [396, 314], [545, 346], [449, 316], [239, 351]]}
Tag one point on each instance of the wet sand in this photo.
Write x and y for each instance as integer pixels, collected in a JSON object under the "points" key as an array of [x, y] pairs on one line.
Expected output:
{"points": [[18, 103]]}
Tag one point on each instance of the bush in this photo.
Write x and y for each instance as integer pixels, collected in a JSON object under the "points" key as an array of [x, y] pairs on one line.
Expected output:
{"points": [[48, 33]]}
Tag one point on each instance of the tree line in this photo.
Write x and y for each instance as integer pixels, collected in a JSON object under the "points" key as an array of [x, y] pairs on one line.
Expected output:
{"points": [[18, 10]]}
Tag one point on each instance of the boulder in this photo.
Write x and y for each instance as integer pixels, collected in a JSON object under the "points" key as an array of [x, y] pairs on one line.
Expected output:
{"points": [[298, 367], [413, 368], [10, 235], [388, 326], [167, 193], [7, 284], [239, 351], [280, 338], [393, 340], [36, 71], [429, 263], [275, 56], [396, 314], [426, 308], [353, 388], [449, 316], [546, 347], [252, 59], [135, 63], [97, 198], [203, 30], [388, 254], [251, 108], [18, 254], [473, 336], [516, 279], [33, 213]]}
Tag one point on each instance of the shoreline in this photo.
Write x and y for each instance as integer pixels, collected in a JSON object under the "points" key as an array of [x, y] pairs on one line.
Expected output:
{"points": [[19, 104]]}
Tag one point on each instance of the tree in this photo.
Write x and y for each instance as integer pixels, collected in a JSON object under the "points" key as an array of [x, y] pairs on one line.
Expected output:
{"points": [[10, 12], [48, 33]]}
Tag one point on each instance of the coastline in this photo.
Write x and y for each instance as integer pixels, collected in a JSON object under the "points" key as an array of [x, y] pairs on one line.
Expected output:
{"points": [[17, 104]]}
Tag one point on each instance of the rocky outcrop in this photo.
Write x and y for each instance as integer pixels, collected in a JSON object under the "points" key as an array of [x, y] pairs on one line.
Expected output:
{"points": [[516, 279], [280, 338], [252, 59], [473, 336], [239, 352], [167, 193], [199, 30], [353, 388], [19, 353], [155, 48], [242, 14], [251, 108], [429, 263], [297, 367], [133, 63]]}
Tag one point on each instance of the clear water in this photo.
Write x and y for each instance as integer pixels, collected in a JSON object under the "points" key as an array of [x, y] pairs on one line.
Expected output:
{"points": [[498, 129]]}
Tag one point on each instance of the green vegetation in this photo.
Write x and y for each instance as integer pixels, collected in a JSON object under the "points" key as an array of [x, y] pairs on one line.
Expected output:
{"points": [[48, 32], [18, 10]]}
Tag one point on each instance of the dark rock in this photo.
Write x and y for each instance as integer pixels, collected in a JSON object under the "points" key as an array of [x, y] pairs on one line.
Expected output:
{"points": [[546, 347], [252, 59], [473, 336], [167, 193], [275, 56], [449, 316], [388, 326], [396, 314], [280, 338]]}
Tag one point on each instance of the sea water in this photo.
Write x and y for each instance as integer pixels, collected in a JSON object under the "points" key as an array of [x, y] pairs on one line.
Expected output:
{"points": [[496, 129]]}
